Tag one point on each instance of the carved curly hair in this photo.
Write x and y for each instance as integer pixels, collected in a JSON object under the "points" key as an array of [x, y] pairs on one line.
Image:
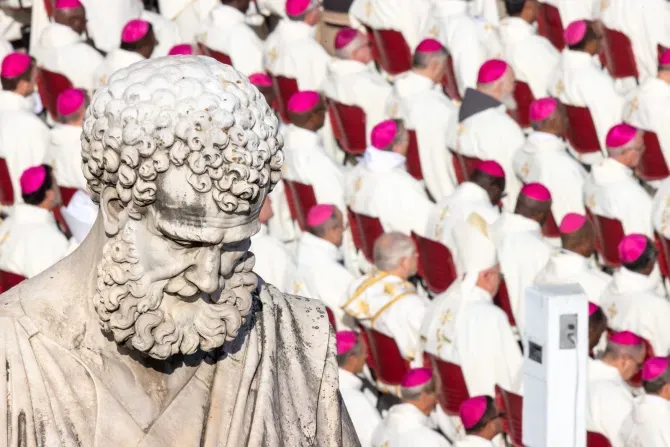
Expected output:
{"points": [[185, 110]]}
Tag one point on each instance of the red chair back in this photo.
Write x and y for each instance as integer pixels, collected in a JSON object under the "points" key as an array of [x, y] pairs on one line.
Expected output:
{"points": [[66, 194], [348, 124], [653, 165], [581, 131], [413, 160], [618, 54], [512, 405], [609, 233], [284, 88], [594, 439], [436, 264], [300, 198], [369, 229], [331, 318], [449, 80], [550, 228], [9, 280], [51, 85], [6, 187], [355, 230], [219, 56], [524, 96], [662, 245], [370, 361], [49, 7], [502, 301], [463, 165], [390, 364], [550, 25], [454, 390], [390, 50]]}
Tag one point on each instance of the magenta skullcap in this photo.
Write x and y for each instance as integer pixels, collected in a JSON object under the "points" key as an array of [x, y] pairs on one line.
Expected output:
{"points": [[260, 80], [297, 7], [625, 338], [415, 377], [304, 101], [472, 411], [664, 58], [571, 222], [620, 135], [575, 32], [631, 247], [184, 49], [654, 367], [68, 4], [593, 308], [345, 341], [344, 37], [491, 167], [383, 134], [134, 31], [542, 108], [428, 46], [318, 214], [32, 179], [491, 71], [14, 65], [536, 191], [69, 101]]}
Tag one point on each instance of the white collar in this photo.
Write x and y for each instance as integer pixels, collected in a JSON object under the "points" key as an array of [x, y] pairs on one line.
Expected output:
{"points": [[319, 247], [476, 440], [121, 57], [626, 281], [11, 102], [299, 138], [343, 67], [610, 171], [412, 83], [599, 370], [377, 160], [408, 415], [349, 380], [290, 30], [579, 59], [475, 192], [516, 223], [24, 213], [56, 35], [225, 15], [543, 142]]}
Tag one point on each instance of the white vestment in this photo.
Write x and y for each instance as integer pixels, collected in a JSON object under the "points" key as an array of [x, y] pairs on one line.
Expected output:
{"points": [[189, 15], [106, 20], [406, 426], [463, 326], [276, 7], [226, 31], [567, 267], [474, 441], [64, 155], [647, 425], [612, 191], [273, 262], [23, 137], [379, 186], [5, 48], [30, 241], [364, 415], [522, 252], [532, 56], [661, 209], [167, 32], [544, 159], [571, 10], [609, 401], [115, 60], [632, 303]]}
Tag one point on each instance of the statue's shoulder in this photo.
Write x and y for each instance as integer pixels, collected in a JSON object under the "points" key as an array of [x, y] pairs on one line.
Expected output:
{"points": [[10, 303]]}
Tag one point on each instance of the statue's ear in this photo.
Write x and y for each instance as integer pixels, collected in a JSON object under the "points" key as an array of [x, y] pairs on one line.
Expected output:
{"points": [[114, 215]]}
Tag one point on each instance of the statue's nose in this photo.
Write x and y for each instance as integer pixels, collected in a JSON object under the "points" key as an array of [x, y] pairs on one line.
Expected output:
{"points": [[204, 273]]}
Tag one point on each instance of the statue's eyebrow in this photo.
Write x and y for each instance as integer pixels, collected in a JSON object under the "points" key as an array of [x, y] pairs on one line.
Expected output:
{"points": [[188, 235]]}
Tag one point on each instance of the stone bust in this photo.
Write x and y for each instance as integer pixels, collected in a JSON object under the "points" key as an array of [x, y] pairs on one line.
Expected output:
{"points": [[156, 331]]}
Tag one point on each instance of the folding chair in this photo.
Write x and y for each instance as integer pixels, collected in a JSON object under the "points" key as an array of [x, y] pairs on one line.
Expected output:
{"points": [[390, 50], [413, 160], [436, 264], [50, 85], [618, 53], [581, 132], [512, 405], [6, 187], [349, 124], [550, 25]]}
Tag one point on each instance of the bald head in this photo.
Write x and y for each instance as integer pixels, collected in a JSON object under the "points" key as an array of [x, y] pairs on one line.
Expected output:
{"points": [[394, 252], [537, 210]]}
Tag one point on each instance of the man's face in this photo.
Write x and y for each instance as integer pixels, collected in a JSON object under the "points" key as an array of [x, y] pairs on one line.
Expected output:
{"points": [[319, 115], [336, 232], [507, 94], [363, 53], [77, 20], [403, 145], [636, 150], [632, 364]]}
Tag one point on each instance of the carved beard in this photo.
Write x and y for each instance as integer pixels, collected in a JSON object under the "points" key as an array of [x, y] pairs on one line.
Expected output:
{"points": [[146, 317]]}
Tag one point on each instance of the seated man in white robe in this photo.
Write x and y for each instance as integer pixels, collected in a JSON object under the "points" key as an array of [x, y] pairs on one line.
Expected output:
{"points": [[409, 423], [611, 189], [63, 49], [23, 136], [353, 80], [631, 300], [226, 31], [580, 81], [351, 357], [64, 151], [609, 399], [522, 249], [189, 15], [138, 42], [463, 326], [386, 301], [532, 56], [572, 263], [79, 215], [647, 424], [545, 159], [484, 129], [380, 186], [482, 422], [320, 272], [30, 241]]}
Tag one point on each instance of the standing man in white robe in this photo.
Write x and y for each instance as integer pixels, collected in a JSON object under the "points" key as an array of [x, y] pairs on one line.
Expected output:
{"points": [[544, 159], [23, 136], [522, 250], [609, 399], [409, 424], [572, 263], [647, 425], [189, 15], [484, 130], [631, 301], [482, 422], [532, 56], [611, 190]]}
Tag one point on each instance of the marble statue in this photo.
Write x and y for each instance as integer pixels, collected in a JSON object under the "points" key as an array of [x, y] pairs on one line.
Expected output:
{"points": [[156, 331]]}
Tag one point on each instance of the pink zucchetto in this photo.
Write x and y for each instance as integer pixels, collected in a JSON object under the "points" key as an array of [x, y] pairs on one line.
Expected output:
{"points": [[183, 49], [383, 134], [542, 108], [491, 167], [304, 101], [68, 4], [32, 179], [631, 247], [416, 377], [593, 308], [620, 135], [318, 214], [345, 340], [69, 101], [536, 191], [491, 71], [428, 46], [344, 37], [297, 7], [654, 367], [260, 80], [571, 222], [14, 65], [472, 411], [625, 338], [134, 31], [575, 32], [664, 59]]}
